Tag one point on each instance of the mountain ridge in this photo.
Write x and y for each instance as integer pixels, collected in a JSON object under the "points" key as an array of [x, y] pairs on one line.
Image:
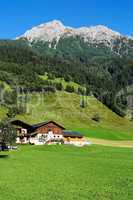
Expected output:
{"points": [[105, 68], [55, 29], [53, 32]]}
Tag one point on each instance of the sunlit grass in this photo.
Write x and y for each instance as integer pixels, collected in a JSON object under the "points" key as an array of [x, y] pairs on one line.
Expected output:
{"points": [[65, 109], [67, 173]]}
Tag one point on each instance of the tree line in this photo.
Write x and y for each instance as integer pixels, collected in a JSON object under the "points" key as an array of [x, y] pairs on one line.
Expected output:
{"points": [[97, 68]]}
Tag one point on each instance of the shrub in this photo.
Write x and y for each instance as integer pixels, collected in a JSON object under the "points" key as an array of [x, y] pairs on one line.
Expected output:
{"points": [[96, 117], [70, 89], [59, 86], [81, 91]]}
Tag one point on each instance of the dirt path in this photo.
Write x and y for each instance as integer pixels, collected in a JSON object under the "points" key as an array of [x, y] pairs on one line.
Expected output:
{"points": [[103, 142]]}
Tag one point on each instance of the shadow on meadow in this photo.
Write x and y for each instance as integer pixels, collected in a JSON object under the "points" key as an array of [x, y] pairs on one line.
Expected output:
{"points": [[3, 156]]}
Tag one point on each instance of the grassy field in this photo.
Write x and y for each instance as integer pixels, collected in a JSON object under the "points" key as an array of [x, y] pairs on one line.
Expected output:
{"points": [[65, 109], [63, 82], [67, 173]]}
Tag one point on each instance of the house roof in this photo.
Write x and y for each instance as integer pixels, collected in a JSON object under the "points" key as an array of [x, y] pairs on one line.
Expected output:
{"points": [[21, 124], [72, 134], [35, 126]]}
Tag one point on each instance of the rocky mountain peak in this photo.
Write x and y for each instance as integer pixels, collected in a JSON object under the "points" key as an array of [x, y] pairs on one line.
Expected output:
{"points": [[54, 30]]}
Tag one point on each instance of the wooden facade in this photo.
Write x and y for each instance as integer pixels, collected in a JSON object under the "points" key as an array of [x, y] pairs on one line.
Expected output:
{"points": [[38, 133], [51, 126], [47, 133]]}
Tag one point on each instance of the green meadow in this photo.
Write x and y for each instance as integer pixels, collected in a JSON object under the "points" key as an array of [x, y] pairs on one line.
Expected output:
{"points": [[66, 173], [62, 81], [65, 108]]}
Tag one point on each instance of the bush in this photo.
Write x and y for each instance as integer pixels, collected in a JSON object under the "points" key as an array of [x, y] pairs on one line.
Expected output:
{"points": [[96, 117], [59, 86], [8, 134], [10, 97], [70, 89], [83, 103], [49, 89], [68, 78], [15, 110], [51, 76], [88, 92], [81, 91]]}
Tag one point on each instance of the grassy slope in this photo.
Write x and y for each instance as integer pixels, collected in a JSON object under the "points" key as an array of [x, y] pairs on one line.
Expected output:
{"points": [[64, 108], [67, 173], [3, 112], [61, 80]]}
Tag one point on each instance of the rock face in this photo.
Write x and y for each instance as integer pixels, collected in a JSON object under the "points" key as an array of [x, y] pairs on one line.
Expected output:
{"points": [[55, 30], [99, 37], [45, 32], [96, 56]]}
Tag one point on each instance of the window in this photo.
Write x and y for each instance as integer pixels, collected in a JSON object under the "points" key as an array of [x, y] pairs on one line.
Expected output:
{"points": [[41, 139]]}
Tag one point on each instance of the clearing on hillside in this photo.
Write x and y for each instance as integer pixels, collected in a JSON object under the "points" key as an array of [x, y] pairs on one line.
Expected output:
{"points": [[65, 109]]}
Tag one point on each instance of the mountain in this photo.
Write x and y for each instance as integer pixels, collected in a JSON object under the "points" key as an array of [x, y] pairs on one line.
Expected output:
{"points": [[54, 31], [97, 58]]}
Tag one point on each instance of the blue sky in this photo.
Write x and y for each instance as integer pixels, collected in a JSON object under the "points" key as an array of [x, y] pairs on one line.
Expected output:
{"points": [[16, 16]]}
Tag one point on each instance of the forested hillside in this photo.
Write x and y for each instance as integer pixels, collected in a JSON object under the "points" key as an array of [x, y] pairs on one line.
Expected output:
{"points": [[102, 71]]}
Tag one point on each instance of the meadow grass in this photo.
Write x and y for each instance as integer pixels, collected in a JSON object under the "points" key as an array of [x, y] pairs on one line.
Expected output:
{"points": [[67, 173], [65, 108], [63, 82], [107, 133]]}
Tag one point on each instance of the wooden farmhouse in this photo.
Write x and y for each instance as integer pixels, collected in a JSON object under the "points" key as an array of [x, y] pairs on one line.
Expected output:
{"points": [[48, 132]]}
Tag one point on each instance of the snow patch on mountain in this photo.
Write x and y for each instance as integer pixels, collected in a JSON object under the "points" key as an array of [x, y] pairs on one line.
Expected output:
{"points": [[54, 30], [45, 32]]}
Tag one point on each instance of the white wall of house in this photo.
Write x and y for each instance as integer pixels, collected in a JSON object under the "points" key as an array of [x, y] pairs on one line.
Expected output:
{"points": [[78, 142], [23, 141], [24, 131], [35, 140], [41, 139], [18, 140]]}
